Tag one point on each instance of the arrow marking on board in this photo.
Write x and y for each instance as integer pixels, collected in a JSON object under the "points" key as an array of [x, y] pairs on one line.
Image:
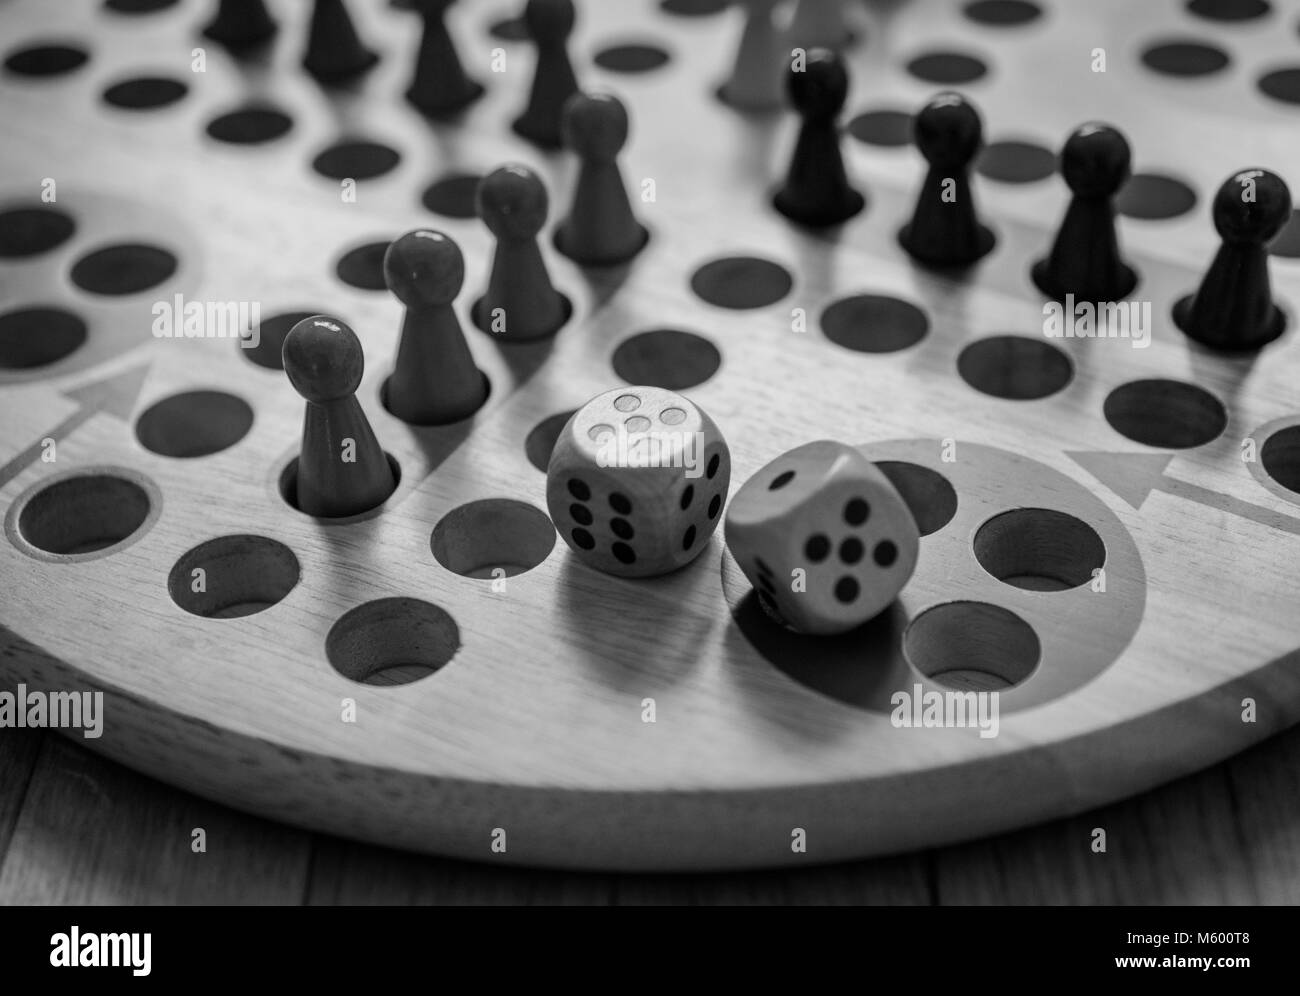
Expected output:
{"points": [[113, 395], [1133, 476]]}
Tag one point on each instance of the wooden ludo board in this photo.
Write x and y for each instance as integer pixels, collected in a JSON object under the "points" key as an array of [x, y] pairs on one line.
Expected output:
{"points": [[535, 722]]}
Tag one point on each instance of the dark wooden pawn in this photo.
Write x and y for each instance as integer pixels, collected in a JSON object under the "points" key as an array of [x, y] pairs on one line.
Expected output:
{"points": [[600, 228], [241, 24], [756, 82], [550, 22], [1085, 259], [521, 303], [945, 229], [1233, 309], [435, 380], [440, 86], [342, 469], [335, 52], [816, 191]]}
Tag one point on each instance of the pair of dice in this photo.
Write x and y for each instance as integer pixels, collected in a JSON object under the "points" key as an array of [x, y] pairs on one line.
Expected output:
{"points": [[639, 476]]}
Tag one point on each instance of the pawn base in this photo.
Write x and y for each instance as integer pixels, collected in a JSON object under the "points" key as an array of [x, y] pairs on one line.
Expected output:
{"points": [[984, 245], [541, 135], [334, 74], [446, 109], [483, 322], [244, 40], [1042, 278], [1229, 340], [563, 244], [820, 216]]}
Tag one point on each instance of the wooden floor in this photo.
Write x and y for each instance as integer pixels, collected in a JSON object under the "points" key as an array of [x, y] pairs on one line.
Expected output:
{"points": [[78, 829]]}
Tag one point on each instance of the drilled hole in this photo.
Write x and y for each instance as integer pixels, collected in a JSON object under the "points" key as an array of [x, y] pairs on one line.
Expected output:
{"points": [[972, 646], [483, 539], [83, 514], [233, 576], [1039, 549], [928, 494], [392, 641], [194, 424]]}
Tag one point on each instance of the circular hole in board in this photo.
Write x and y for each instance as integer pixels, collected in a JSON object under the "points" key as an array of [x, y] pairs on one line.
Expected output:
{"points": [[28, 231], [972, 646], [874, 323], [633, 57], [46, 60], [693, 8], [1154, 197], [1002, 13], [1280, 456], [138, 6], [356, 159], [392, 641], [929, 496], [363, 267], [667, 358], [541, 439], [453, 195], [36, 337], [241, 575], [885, 127], [84, 514], [271, 332], [1165, 413], [741, 282], [145, 93], [1184, 58], [194, 424], [250, 125], [1039, 549], [128, 268], [1015, 161], [1014, 368], [1281, 84], [492, 538], [1229, 10], [947, 68]]}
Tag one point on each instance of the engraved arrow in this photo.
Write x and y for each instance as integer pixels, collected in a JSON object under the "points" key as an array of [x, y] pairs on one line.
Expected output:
{"points": [[113, 395], [1133, 476]]}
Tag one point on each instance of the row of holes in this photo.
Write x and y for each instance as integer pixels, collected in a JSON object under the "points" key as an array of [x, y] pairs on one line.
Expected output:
{"points": [[1157, 413], [91, 514]]}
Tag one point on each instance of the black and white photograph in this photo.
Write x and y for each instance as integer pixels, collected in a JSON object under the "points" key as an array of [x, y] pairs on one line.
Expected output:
{"points": [[651, 453]]}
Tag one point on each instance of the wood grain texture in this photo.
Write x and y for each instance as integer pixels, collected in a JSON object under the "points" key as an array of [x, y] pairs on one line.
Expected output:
{"points": [[92, 832], [535, 726], [1186, 843], [18, 753]]}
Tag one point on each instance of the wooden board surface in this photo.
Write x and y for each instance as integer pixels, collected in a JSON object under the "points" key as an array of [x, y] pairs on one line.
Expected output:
{"points": [[536, 725]]}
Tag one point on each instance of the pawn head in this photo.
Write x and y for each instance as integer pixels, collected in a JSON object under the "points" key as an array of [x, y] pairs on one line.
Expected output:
{"points": [[549, 21], [1095, 160], [948, 130], [512, 202], [819, 88], [424, 268], [594, 125], [323, 359], [1251, 206]]}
